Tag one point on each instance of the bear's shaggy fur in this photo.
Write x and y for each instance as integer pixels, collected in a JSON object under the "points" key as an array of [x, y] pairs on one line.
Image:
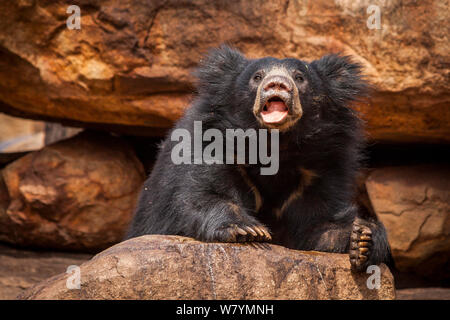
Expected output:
{"points": [[308, 204]]}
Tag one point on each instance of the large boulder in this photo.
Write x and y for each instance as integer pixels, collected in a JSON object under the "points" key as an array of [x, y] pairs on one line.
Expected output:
{"points": [[414, 204], [172, 267], [128, 67], [76, 194]]}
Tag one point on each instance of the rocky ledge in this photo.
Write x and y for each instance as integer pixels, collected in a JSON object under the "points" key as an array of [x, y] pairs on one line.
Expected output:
{"points": [[172, 267], [128, 68]]}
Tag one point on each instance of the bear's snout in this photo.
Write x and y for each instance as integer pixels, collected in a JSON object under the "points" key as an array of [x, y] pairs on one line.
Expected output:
{"points": [[278, 83], [277, 103]]}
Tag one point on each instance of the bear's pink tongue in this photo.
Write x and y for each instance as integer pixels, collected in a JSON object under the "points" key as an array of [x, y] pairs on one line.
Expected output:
{"points": [[276, 112]]}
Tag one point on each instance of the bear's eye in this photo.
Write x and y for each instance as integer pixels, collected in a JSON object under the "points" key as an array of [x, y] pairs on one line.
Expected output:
{"points": [[257, 77], [299, 77]]}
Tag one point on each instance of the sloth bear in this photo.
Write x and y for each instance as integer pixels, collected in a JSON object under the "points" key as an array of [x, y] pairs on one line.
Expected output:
{"points": [[308, 203]]}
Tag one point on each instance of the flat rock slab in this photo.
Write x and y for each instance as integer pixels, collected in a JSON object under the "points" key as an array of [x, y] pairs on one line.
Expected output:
{"points": [[423, 294], [173, 267], [21, 269]]}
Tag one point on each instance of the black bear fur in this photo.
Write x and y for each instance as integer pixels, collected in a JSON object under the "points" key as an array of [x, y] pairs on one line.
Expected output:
{"points": [[320, 156]]}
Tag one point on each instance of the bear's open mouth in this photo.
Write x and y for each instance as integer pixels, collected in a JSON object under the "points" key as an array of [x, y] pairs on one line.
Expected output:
{"points": [[274, 111]]}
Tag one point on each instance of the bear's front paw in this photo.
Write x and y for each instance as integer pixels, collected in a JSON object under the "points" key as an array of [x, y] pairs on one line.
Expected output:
{"points": [[242, 233], [360, 244]]}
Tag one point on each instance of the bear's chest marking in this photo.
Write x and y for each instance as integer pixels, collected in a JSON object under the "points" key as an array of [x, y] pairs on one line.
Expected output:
{"points": [[253, 188], [305, 178]]}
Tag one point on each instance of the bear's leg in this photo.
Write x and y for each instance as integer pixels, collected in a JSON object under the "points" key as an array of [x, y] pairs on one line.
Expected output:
{"points": [[364, 239]]}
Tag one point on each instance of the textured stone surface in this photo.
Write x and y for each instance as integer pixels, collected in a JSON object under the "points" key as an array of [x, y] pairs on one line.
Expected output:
{"points": [[414, 205], [75, 194], [129, 65], [17, 135], [171, 267], [423, 294], [21, 269]]}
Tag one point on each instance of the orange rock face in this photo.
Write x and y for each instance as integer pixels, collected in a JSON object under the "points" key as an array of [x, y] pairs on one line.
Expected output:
{"points": [[77, 194], [129, 65], [414, 205]]}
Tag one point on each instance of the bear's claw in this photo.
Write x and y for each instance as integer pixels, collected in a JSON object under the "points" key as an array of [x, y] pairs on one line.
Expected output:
{"points": [[235, 233], [360, 244]]}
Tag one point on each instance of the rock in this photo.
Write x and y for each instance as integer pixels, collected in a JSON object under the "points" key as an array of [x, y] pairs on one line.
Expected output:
{"points": [[423, 294], [23, 143], [128, 67], [55, 132], [414, 205], [18, 135], [21, 269], [76, 194], [9, 157], [173, 267]]}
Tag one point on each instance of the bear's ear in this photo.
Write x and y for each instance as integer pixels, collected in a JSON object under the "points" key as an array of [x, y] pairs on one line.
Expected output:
{"points": [[218, 70], [342, 78]]}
